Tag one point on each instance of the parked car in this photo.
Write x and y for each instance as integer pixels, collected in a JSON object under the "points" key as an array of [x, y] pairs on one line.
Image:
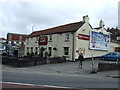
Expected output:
{"points": [[111, 56]]}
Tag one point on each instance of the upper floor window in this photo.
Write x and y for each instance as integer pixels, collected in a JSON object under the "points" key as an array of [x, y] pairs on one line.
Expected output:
{"points": [[36, 39], [67, 38], [20, 37], [10, 37], [27, 40], [50, 37]]}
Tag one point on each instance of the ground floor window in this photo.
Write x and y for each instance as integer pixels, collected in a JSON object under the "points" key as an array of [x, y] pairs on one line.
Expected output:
{"points": [[66, 50], [36, 50], [27, 49], [50, 51], [31, 49]]}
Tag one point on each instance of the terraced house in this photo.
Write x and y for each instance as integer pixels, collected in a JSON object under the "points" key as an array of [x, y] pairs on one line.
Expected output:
{"points": [[15, 44], [69, 40]]}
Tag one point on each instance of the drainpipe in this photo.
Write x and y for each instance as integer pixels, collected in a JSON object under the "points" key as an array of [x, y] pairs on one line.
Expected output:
{"points": [[73, 48]]}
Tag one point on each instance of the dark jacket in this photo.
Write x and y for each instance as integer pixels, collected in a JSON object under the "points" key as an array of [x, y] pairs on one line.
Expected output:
{"points": [[81, 58]]}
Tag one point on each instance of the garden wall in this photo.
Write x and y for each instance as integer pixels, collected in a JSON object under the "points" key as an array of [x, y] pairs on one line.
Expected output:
{"points": [[108, 66]]}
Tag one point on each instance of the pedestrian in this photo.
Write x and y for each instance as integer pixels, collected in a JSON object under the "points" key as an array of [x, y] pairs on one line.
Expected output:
{"points": [[81, 59]]}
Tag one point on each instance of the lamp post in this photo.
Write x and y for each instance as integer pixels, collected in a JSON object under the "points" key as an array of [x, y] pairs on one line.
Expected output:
{"points": [[93, 65]]}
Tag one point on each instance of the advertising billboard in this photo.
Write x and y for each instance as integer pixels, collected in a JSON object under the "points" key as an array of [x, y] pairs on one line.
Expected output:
{"points": [[99, 41]]}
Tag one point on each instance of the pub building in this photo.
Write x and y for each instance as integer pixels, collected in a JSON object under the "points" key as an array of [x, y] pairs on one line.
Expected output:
{"points": [[69, 40]]}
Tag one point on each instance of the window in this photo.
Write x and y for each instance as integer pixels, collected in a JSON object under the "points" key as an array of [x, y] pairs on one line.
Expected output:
{"points": [[31, 49], [27, 40], [36, 40], [67, 38], [20, 37], [50, 37], [12, 42], [36, 50], [9, 42], [114, 53], [17, 43], [66, 50], [50, 51], [109, 54], [20, 43], [10, 37], [27, 49]]}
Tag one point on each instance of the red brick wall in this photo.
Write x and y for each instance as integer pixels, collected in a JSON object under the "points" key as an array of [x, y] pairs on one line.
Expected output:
{"points": [[16, 37]]}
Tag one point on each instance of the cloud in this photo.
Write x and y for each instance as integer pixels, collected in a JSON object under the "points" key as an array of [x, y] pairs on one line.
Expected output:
{"points": [[19, 17]]}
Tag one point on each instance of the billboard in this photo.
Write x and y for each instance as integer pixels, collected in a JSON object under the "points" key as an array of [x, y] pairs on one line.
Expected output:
{"points": [[99, 41]]}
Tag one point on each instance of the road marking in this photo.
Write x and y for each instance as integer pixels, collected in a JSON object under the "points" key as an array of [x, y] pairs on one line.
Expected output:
{"points": [[46, 86], [2, 70], [54, 86], [18, 83]]}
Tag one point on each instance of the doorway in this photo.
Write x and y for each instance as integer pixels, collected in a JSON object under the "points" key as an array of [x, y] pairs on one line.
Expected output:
{"points": [[15, 53]]}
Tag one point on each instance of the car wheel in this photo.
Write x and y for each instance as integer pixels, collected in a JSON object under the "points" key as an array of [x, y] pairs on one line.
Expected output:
{"points": [[103, 58], [117, 59]]}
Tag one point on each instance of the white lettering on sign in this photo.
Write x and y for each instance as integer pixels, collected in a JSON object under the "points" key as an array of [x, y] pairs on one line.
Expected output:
{"points": [[84, 37]]}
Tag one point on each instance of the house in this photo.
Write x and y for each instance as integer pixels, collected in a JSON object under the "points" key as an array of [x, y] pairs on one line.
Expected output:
{"points": [[15, 43], [115, 38], [2, 44], [69, 40]]}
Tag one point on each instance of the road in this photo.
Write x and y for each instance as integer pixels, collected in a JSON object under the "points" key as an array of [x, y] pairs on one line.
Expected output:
{"points": [[73, 81]]}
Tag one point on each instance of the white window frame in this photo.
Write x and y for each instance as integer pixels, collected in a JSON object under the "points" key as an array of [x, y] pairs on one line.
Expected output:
{"points": [[66, 50], [50, 38], [27, 40], [50, 51], [67, 37], [20, 37]]}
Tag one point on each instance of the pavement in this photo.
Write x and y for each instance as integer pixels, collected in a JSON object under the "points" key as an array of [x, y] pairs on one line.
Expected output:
{"points": [[68, 68]]}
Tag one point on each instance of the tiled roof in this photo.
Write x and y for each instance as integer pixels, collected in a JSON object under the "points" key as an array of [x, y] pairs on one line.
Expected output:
{"points": [[18, 34], [60, 29], [114, 32], [2, 38]]}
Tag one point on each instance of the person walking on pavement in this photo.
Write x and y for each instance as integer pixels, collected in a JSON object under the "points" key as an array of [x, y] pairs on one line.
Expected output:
{"points": [[81, 59]]}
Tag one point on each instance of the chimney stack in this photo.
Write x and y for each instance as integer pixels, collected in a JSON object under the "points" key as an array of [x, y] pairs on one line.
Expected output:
{"points": [[86, 19], [101, 24]]}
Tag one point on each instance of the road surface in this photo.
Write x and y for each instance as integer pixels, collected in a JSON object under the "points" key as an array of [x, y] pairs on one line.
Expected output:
{"points": [[72, 81]]}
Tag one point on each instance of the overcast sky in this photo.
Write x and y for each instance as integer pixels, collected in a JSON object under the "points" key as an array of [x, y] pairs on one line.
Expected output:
{"points": [[18, 16]]}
